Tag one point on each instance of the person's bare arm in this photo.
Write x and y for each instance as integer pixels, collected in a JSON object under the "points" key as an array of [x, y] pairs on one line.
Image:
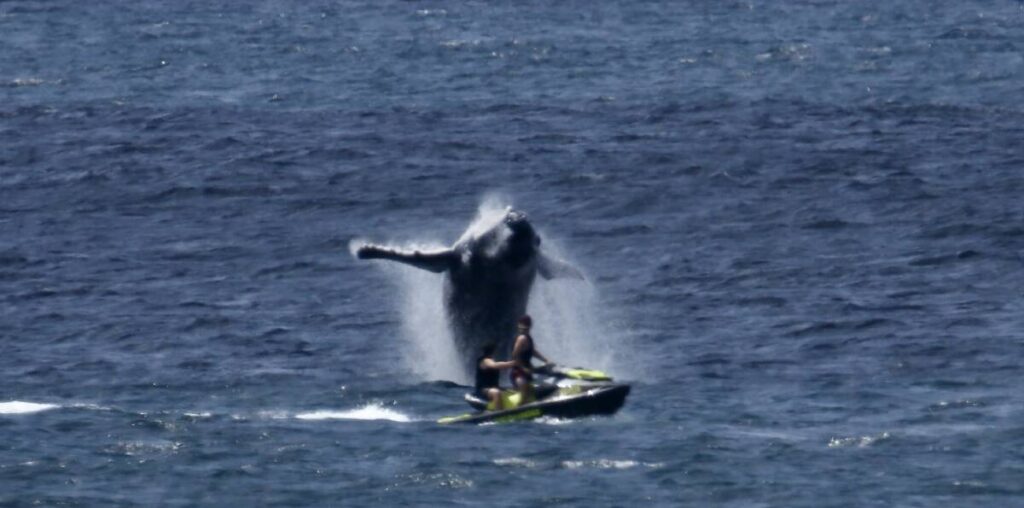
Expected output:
{"points": [[542, 357], [491, 364]]}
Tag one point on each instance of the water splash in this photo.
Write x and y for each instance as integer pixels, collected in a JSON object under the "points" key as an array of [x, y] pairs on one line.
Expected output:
{"points": [[430, 350], [571, 326], [373, 411], [490, 213], [17, 407]]}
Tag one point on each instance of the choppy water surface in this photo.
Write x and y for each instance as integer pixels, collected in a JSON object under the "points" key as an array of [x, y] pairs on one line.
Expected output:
{"points": [[800, 223]]}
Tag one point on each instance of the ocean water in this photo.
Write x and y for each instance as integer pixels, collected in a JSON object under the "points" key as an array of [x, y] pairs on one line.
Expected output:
{"points": [[800, 222]]}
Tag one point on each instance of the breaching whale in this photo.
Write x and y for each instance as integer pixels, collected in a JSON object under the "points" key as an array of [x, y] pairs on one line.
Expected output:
{"points": [[488, 274]]}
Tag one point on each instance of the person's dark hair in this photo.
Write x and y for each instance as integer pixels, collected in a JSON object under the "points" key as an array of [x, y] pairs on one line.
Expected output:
{"points": [[525, 322], [489, 349]]}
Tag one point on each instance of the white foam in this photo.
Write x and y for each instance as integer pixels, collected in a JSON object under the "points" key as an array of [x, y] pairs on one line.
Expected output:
{"points": [[367, 412], [550, 420], [17, 407], [609, 464], [272, 414], [515, 462], [857, 441], [27, 82]]}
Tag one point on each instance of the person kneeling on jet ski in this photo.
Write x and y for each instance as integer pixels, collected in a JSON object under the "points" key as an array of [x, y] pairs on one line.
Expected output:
{"points": [[523, 352], [487, 373]]}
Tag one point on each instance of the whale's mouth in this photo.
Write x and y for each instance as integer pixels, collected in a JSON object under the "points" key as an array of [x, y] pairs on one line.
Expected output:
{"points": [[522, 230], [518, 223], [523, 241], [514, 218]]}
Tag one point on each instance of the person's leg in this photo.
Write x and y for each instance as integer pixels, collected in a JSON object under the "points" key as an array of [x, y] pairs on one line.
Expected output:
{"points": [[494, 395], [525, 389]]}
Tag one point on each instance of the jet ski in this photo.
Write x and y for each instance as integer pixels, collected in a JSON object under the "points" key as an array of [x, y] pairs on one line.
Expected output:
{"points": [[560, 392]]}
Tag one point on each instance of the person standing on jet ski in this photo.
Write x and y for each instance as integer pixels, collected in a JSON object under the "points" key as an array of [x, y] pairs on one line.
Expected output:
{"points": [[523, 352], [487, 373]]}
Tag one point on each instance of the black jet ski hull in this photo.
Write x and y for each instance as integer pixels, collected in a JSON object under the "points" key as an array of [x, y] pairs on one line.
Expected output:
{"points": [[603, 400]]}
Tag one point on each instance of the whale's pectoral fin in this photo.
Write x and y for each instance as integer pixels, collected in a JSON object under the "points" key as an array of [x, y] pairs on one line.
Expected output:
{"points": [[435, 261], [551, 268]]}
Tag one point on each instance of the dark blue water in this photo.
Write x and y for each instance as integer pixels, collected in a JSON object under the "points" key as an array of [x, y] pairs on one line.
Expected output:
{"points": [[800, 222]]}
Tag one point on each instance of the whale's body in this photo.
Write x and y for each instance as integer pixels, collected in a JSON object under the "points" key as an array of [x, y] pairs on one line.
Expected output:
{"points": [[488, 275]]}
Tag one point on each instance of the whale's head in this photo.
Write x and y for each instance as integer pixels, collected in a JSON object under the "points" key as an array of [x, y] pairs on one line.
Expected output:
{"points": [[522, 240]]}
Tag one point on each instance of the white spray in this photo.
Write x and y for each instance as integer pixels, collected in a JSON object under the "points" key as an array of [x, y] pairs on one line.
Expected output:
{"points": [[431, 351], [567, 320]]}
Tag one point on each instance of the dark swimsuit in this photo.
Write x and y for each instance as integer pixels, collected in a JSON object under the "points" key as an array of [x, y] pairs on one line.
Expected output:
{"points": [[524, 359], [485, 379]]}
